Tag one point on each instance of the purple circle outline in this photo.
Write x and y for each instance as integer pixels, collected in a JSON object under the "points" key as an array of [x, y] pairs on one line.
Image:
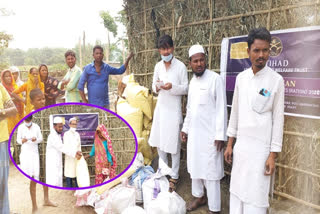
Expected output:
{"points": [[73, 103]]}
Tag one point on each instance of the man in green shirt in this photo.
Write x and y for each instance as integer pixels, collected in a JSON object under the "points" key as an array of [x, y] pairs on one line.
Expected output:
{"points": [[71, 79]]}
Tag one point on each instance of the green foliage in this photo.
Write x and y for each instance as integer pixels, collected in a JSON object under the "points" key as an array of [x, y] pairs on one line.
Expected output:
{"points": [[4, 41], [109, 22]]}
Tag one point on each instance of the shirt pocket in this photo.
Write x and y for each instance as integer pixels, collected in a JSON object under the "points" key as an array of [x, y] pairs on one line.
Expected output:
{"points": [[262, 104], [203, 96]]}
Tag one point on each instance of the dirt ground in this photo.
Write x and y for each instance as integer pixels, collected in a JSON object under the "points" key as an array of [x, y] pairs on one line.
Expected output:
{"points": [[20, 201]]}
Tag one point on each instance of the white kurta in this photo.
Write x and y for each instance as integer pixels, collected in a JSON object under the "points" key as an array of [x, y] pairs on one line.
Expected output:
{"points": [[168, 113], [29, 156], [54, 151], [72, 142], [257, 123], [205, 122]]}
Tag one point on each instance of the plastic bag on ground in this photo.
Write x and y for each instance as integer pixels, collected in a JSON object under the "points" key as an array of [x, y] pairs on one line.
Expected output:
{"points": [[167, 203], [155, 183], [134, 210], [137, 180]]}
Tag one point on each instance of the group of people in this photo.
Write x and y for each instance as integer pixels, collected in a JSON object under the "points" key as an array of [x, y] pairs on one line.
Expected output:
{"points": [[256, 122], [18, 99], [29, 136]]}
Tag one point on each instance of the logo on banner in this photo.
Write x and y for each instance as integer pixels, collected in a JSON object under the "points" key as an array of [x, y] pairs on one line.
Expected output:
{"points": [[276, 46]]}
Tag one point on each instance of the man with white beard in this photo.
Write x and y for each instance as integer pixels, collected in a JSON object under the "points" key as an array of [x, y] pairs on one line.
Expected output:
{"points": [[72, 141], [54, 151], [204, 129]]}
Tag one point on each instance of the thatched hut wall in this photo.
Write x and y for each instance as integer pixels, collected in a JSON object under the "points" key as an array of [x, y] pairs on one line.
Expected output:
{"points": [[123, 141], [207, 22]]}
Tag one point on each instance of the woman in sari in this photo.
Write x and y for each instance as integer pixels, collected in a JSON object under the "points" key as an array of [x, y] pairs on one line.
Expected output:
{"points": [[51, 90], [10, 85], [32, 83], [104, 155], [16, 75]]}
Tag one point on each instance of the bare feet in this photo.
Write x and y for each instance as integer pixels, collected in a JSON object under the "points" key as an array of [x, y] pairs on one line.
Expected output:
{"points": [[34, 210], [196, 202], [50, 204]]}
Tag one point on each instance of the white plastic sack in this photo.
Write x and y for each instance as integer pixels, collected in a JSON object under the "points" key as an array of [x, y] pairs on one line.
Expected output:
{"points": [[138, 178], [82, 172], [117, 199], [155, 184], [134, 210], [167, 203]]}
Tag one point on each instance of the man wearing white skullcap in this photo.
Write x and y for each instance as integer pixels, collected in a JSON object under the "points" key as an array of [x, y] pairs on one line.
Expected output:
{"points": [[54, 151], [170, 81], [204, 129], [71, 139]]}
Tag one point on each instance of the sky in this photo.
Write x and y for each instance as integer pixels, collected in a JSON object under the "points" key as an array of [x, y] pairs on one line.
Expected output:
{"points": [[56, 23]]}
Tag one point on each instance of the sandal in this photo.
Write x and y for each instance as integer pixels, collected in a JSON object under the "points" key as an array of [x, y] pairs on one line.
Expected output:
{"points": [[173, 183]]}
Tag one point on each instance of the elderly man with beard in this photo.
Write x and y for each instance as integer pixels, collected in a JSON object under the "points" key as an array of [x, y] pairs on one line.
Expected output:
{"points": [[55, 148], [204, 129], [257, 122]]}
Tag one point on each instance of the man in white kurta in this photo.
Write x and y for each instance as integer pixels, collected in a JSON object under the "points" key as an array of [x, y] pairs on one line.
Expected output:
{"points": [[204, 129], [29, 136], [257, 122], [170, 81], [54, 151], [72, 142]]}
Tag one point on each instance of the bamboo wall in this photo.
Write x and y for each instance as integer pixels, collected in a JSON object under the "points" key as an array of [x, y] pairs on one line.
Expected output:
{"points": [[207, 22]]}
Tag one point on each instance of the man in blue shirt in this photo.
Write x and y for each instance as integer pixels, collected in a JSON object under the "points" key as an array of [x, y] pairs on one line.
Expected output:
{"points": [[96, 75]]}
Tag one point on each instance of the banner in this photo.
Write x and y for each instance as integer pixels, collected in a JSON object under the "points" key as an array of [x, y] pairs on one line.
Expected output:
{"points": [[294, 55], [87, 125]]}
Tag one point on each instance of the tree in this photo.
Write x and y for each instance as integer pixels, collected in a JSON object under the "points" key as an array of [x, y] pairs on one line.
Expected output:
{"points": [[4, 41], [111, 26]]}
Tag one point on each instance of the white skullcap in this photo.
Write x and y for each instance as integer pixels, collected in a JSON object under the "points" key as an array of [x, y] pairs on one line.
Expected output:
{"points": [[57, 120], [14, 69], [195, 49], [72, 119]]}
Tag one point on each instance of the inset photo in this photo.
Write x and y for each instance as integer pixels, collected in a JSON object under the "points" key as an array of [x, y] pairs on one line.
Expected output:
{"points": [[75, 145]]}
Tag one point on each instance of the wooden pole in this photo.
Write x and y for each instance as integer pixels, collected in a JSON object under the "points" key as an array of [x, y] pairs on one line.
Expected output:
{"points": [[317, 207], [80, 52], [108, 47], [84, 48]]}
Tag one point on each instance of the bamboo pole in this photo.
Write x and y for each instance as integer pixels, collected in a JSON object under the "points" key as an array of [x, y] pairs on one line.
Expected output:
{"points": [[269, 15], [210, 35], [316, 137], [80, 52], [317, 207], [226, 18], [298, 170], [180, 47]]}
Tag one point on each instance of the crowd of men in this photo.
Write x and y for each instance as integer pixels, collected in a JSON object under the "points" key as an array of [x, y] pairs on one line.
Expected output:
{"points": [[256, 122]]}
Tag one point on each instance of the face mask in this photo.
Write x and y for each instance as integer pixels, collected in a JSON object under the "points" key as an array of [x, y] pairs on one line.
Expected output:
{"points": [[166, 58], [73, 129], [28, 124]]}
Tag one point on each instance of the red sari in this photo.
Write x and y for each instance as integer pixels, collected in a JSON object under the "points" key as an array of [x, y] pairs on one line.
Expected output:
{"points": [[101, 160]]}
